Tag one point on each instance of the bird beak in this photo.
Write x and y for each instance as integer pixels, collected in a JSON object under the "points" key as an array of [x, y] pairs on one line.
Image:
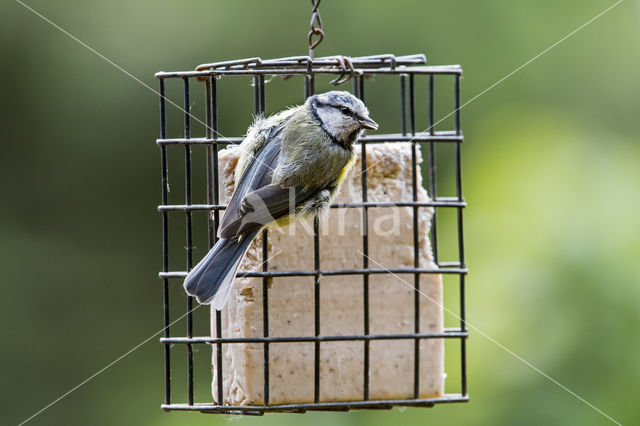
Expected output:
{"points": [[367, 123]]}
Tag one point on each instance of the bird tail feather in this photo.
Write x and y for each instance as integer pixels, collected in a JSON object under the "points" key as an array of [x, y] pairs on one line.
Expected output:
{"points": [[211, 279]]}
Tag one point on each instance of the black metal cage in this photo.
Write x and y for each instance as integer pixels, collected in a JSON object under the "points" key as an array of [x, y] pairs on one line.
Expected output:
{"points": [[408, 69]]}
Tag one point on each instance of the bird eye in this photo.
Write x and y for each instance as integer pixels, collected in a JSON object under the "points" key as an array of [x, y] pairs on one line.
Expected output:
{"points": [[345, 110]]}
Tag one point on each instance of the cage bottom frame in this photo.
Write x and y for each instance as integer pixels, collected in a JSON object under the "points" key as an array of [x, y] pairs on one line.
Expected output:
{"points": [[259, 410]]}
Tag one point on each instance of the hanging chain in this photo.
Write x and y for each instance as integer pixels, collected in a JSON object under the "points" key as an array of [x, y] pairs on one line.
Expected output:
{"points": [[316, 27], [316, 30]]}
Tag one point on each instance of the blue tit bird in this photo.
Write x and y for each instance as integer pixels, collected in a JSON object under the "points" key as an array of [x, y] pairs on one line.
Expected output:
{"points": [[290, 166]]}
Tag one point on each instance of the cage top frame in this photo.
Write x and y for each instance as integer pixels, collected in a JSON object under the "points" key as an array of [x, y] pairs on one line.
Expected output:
{"points": [[358, 68], [373, 64]]}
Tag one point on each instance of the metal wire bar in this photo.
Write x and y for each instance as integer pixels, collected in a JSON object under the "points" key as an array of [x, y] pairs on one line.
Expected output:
{"points": [[259, 108], [433, 190], [442, 202], [309, 80], [358, 86], [265, 313], [189, 232], [256, 274], [463, 324], [416, 240], [316, 308], [213, 196], [213, 191], [448, 334], [445, 136], [309, 90], [165, 244]]}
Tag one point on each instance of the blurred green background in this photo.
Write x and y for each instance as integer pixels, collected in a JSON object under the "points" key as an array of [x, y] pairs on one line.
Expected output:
{"points": [[551, 175]]}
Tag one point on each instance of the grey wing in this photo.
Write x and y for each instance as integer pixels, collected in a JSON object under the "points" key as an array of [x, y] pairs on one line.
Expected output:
{"points": [[256, 202]]}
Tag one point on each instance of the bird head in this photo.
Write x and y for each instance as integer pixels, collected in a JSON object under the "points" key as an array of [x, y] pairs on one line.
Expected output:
{"points": [[341, 115]]}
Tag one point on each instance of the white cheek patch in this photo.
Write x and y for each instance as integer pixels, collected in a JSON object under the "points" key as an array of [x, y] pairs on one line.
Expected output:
{"points": [[334, 122]]}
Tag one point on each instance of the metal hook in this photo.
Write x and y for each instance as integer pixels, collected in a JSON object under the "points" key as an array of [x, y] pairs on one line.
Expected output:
{"points": [[313, 44], [347, 74]]}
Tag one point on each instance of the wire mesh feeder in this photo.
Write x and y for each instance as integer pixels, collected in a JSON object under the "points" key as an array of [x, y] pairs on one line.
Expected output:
{"points": [[408, 69]]}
